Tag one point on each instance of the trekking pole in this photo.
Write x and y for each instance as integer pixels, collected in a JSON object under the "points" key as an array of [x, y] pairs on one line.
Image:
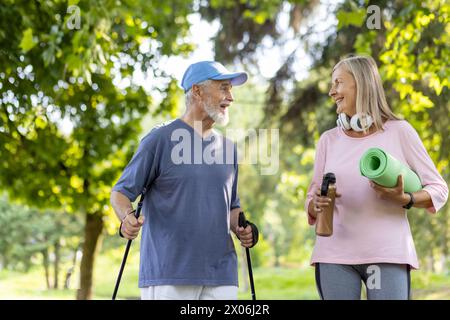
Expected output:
{"points": [[243, 223], [137, 214]]}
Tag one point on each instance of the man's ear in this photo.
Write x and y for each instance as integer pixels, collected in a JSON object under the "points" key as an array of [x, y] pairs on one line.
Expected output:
{"points": [[196, 90]]}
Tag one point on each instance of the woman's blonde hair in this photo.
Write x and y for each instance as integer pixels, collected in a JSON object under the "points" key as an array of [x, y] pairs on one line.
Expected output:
{"points": [[370, 98]]}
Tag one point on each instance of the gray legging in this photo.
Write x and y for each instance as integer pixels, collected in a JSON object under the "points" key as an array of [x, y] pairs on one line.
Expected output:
{"points": [[384, 281]]}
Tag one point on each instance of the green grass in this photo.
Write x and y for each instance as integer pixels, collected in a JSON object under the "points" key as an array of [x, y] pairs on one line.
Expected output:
{"points": [[270, 283], [429, 286], [283, 283]]}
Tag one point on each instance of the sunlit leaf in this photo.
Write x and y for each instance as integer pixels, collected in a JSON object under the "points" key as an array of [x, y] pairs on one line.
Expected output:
{"points": [[28, 41]]}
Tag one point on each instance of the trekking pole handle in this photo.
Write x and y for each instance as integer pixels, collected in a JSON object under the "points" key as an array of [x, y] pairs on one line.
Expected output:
{"points": [[137, 213], [242, 222]]}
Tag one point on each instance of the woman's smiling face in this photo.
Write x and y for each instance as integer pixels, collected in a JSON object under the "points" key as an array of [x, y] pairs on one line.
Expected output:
{"points": [[343, 91]]}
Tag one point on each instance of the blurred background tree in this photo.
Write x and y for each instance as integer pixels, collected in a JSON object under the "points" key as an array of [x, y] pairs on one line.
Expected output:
{"points": [[67, 66], [47, 238]]}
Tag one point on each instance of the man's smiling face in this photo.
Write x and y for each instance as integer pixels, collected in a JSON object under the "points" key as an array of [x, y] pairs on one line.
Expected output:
{"points": [[218, 99]]}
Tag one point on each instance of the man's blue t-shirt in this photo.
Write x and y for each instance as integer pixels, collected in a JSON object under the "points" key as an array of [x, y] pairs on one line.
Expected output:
{"points": [[192, 186]]}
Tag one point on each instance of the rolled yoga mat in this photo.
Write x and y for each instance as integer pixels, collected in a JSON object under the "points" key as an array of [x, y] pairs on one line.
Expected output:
{"points": [[382, 168]]}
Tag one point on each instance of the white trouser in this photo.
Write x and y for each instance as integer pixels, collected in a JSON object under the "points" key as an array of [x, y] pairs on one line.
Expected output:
{"points": [[189, 293]]}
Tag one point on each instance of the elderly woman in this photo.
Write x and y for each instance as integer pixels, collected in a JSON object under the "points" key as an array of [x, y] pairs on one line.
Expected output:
{"points": [[371, 240]]}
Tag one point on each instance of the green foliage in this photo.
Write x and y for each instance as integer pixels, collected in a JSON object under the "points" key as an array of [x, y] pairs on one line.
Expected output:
{"points": [[27, 233], [355, 17], [244, 24], [28, 42], [54, 74]]}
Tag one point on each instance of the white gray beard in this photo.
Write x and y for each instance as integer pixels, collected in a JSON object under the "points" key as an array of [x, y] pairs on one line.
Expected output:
{"points": [[218, 117]]}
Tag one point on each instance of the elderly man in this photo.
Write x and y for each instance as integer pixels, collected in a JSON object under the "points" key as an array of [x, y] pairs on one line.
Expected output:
{"points": [[191, 203]]}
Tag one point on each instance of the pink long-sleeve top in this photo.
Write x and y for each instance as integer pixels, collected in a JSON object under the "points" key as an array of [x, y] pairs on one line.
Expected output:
{"points": [[367, 229]]}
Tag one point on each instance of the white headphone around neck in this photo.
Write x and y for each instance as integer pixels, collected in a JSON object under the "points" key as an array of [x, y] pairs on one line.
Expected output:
{"points": [[356, 122]]}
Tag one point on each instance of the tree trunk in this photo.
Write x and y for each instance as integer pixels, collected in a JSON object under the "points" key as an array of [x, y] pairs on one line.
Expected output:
{"points": [[433, 267], [46, 267], [92, 233], [71, 269], [56, 264], [276, 254], [5, 261]]}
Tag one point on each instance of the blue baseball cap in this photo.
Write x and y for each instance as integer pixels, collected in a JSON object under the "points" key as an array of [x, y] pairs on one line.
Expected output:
{"points": [[210, 70]]}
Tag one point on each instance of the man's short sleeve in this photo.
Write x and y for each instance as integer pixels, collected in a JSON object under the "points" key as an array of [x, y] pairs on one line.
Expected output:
{"points": [[141, 170]]}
